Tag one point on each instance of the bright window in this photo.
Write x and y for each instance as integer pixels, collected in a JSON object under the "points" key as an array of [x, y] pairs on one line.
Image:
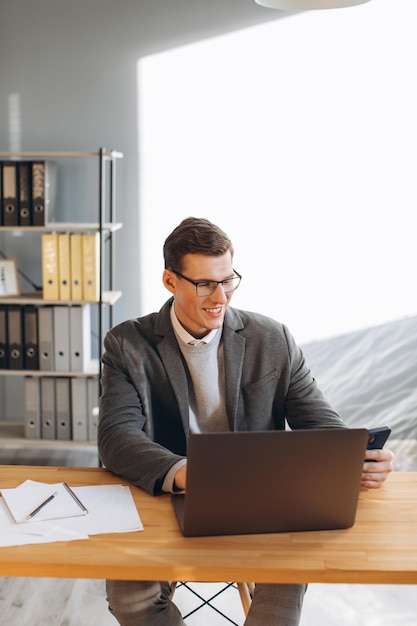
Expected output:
{"points": [[298, 137]]}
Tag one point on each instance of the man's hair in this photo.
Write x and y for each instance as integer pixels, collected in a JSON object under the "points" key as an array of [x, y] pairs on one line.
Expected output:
{"points": [[195, 236]]}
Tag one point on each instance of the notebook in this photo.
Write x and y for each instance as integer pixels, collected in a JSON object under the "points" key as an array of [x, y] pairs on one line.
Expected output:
{"points": [[33, 501], [271, 481]]}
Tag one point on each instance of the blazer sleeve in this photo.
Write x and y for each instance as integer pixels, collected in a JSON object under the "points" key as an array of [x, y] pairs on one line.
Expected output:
{"points": [[125, 434], [306, 406]]}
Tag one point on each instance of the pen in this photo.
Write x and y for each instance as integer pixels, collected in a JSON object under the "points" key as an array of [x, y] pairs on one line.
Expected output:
{"points": [[40, 507], [74, 497]]}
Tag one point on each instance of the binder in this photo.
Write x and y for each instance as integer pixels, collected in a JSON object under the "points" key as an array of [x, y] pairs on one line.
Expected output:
{"points": [[92, 408], [4, 360], [64, 266], [76, 267], [91, 266], [15, 337], [32, 409], [30, 334], [63, 409], [79, 409], [25, 193], [50, 282], [48, 408], [9, 193], [46, 338], [44, 174], [80, 337], [61, 338]]}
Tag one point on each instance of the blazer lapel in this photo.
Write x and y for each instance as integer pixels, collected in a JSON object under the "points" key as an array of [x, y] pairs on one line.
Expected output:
{"points": [[234, 353], [173, 362]]}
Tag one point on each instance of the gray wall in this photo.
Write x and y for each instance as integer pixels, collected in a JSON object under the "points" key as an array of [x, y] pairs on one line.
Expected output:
{"points": [[71, 66]]}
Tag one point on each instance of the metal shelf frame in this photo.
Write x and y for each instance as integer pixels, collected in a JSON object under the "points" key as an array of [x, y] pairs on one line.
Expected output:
{"points": [[106, 226]]}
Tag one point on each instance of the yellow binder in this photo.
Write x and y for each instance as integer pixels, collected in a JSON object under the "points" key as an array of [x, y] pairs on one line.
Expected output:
{"points": [[50, 266], [64, 266], [76, 267], [91, 266]]}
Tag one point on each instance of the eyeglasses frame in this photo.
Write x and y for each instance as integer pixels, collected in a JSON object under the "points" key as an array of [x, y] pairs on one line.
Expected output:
{"points": [[218, 282]]}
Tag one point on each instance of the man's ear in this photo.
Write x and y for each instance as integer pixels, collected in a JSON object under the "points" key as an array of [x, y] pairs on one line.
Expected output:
{"points": [[168, 278]]}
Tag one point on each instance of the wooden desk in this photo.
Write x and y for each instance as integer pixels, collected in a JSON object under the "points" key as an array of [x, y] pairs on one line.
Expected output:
{"points": [[380, 548]]}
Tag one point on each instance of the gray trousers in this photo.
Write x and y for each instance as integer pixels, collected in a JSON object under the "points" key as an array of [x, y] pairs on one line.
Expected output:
{"points": [[146, 603]]}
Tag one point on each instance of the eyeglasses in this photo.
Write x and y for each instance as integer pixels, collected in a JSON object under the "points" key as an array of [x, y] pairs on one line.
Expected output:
{"points": [[208, 287]]}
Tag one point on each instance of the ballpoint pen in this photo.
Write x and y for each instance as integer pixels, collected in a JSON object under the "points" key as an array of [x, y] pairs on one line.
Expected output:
{"points": [[75, 498], [40, 507]]}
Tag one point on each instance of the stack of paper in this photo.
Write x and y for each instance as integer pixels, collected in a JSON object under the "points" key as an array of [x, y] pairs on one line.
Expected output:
{"points": [[104, 509], [41, 502]]}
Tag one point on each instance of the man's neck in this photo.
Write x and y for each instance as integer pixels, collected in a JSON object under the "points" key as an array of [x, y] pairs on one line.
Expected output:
{"points": [[184, 335]]}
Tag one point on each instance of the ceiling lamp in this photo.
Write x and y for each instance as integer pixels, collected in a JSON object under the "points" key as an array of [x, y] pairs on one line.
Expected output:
{"points": [[306, 5]]}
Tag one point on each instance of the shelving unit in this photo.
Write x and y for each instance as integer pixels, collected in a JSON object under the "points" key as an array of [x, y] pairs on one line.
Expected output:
{"points": [[12, 435], [106, 226]]}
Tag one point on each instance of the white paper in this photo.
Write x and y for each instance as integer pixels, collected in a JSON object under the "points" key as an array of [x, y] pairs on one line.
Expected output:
{"points": [[24, 499], [111, 509]]}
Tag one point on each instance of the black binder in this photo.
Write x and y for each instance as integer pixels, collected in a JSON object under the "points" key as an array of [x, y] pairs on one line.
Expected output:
{"points": [[43, 192], [15, 337], [4, 361], [9, 193], [30, 334], [25, 192]]}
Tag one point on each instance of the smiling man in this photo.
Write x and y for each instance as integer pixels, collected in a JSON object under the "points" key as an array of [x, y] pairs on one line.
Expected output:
{"points": [[198, 365], [201, 316]]}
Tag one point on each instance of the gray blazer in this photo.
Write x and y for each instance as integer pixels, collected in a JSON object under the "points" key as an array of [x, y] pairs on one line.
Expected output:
{"points": [[144, 408]]}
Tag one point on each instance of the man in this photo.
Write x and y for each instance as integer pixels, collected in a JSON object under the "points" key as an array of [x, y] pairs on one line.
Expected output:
{"points": [[196, 366]]}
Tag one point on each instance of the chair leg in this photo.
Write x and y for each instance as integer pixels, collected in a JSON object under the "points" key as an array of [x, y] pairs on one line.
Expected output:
{"points": [[246, 594], [245, 591]]}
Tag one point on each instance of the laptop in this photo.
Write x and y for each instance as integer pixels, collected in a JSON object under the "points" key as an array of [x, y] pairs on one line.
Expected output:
{"points": [[271, 481]]}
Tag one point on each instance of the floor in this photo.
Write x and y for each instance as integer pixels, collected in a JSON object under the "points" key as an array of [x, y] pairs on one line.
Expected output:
{"points": [[62, 602], [327, 605], [66, 602]]}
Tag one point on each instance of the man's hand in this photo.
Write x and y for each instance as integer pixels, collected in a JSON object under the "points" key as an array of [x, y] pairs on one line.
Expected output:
{"points": [[376, 473], [180, 478]]}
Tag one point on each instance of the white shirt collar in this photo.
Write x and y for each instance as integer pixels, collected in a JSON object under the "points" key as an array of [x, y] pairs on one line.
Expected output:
{"points": [[185, 335]]}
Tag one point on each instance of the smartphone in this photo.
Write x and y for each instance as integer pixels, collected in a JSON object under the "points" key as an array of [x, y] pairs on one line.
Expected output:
{"points": [[377, 437]]}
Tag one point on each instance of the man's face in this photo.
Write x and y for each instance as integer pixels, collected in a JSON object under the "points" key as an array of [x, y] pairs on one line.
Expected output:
{"points": [[200, 314]]}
